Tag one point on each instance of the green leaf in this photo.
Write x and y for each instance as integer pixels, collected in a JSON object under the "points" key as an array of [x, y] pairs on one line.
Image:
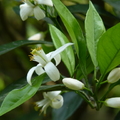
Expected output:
{"points": [[71, 102], [108, 53], [75, 33], [82, 8], [18, 85], [114, 3], [67, 55], [18, 96], [52, 87], [72, 27], [13, 45], [94, 28]]}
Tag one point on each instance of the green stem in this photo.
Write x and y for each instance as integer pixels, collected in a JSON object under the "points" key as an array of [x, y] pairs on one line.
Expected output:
{"points": [[104, 96], [99, 81], [84, 75], [89, 90], [85, 97], [106, 81]]}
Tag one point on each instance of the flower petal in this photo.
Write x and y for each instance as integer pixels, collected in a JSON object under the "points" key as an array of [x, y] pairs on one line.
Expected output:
{"points": [[40, 56], [49, 55], [44, 108], [29, 3], [52, 71], [53, 94], [57, 58], [38, 36], [29, 74], [41, 103], [25, 11], [39, 70], [60, 49], [38, 13], [45, 2], [57, 102]]}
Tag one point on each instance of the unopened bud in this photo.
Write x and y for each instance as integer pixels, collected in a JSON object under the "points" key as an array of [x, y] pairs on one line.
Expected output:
{"points": [[114, 75], [73, 84], [38, 36], [113, 102]]}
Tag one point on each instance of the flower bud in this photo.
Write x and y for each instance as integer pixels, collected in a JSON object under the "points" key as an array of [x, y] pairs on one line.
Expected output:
{"points": [[38, 36], [73, 84], [114, 75], [113, 102]]}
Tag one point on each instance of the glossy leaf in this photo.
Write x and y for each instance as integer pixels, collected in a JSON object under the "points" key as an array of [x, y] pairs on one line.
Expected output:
{"points": [[72, 27], [67, 55], [94, 28], [108, 53], [13, 45], [21, 83], [75, 33], [71, 102], [18, 96]]}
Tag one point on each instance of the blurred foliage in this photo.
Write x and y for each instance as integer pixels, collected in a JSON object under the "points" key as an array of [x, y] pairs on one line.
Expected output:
{"points": [[15, 64]]}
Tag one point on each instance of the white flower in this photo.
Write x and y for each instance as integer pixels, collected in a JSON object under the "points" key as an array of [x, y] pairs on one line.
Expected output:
{"points": [[52, 99], [38, 36], [30, 9], [114, 75], [73, 84], [45, 2], [113, 102], [45, 64]]}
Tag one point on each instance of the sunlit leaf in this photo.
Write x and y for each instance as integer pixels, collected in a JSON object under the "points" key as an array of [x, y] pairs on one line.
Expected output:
{"points": [[21, 83], [18, 96], [108, 53], [94, 28], [67, 55], [75, 33], [72, 27]]}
